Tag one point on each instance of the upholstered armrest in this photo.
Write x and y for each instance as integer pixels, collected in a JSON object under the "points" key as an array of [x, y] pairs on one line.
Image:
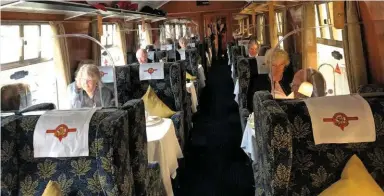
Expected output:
{"points": [[188, 113], [154, 180], [178, 122], [137, 143], [244, 113], [38, 107], [197, 87]]}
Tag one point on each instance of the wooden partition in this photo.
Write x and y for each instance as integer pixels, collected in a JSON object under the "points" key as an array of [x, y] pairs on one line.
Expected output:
{"points": [[373, 19]]}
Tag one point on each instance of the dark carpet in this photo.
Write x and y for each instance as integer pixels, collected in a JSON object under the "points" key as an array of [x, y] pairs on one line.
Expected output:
{"points": [[214, 163]]}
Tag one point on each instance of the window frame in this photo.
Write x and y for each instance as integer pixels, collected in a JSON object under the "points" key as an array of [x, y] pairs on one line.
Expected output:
{"points": [[321, 40], [260, 28], [113, 34], [21, 62], [280, 24]]}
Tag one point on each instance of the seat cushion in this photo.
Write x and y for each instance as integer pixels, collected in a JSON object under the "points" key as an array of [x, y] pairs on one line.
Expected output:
{"points": [[154, 106], [52, 189], [355, 180]]}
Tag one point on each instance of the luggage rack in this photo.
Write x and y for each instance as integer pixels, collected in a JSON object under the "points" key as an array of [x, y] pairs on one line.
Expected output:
{"points": [[73, 10]]}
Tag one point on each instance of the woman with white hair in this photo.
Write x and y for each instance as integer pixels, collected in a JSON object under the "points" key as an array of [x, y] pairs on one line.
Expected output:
{"points": [[88, 91], [277, 60]]}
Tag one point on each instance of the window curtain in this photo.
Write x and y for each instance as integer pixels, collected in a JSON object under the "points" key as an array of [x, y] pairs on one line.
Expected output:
{"points": [[121, 40], [148, 34], [96, 49], [62, 64], [353, 48]]}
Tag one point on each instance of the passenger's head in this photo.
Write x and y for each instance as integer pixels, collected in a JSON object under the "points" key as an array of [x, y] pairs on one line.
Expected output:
{"points": [[10, 97], [277, 60], [253, 48], [183, 43], [142, 56], [88, 77], [169, 41], [150, 48], [308, 76]]}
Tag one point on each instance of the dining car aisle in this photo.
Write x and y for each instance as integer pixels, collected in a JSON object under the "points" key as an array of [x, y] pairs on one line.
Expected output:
{"points": [[214, 162]]}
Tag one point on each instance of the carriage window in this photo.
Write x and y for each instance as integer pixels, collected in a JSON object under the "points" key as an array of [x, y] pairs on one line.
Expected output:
{"points": [[280, 27], [144, 35], [184, 30], [260, 28], [109, 32], [168, 33], [324, 16], [178, 31], [330, 40], [10, 43], [27, 58], [110, 40]]}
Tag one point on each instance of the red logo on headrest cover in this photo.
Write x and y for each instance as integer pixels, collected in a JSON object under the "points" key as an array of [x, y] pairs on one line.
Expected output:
{"points": [[340, 119], [150, 70], [61, 131]]}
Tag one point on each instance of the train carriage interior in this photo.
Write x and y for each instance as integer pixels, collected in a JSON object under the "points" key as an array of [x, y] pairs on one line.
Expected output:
{"points": [[192, 98]]}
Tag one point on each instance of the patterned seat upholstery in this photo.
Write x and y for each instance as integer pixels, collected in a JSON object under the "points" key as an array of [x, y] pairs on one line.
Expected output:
{"points": [[169, 90], [289, 163], [160, 55], [186, 97], [191, 58], [229, 46], [107, 169], [250, 81], [236, 52], [137, 135], [371, 88]]}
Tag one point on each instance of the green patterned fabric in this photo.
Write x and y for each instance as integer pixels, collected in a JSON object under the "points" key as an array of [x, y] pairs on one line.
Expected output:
{"points": [[289, 163], [169, 90], [106, 171], [371, 88]]}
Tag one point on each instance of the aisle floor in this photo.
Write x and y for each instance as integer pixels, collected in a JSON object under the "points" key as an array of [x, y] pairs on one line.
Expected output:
{"points": [[215, 165]]}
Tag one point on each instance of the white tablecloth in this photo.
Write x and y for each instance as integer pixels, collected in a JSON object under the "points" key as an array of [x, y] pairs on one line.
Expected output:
{"points": [[248, 143], [191, 89], [201, 76], [164, 148], [236, 91]]}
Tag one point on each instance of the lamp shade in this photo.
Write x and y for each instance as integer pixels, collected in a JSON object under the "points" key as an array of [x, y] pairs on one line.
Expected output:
{"points": [[306, 89]]}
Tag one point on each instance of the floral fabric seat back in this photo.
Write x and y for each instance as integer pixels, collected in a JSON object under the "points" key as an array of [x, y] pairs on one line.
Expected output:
{"points": [[106, 171], [371, 88], [236, 52], [294, 164]]}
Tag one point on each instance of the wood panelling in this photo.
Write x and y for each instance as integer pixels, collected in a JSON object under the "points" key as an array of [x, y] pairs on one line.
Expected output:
{"points": [[188, 9], [373, 24], [30, 16], [78, 48]]}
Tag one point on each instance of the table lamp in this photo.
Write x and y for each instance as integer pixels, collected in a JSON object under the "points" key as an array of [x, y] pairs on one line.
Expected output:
{"points": [[306, 89]]}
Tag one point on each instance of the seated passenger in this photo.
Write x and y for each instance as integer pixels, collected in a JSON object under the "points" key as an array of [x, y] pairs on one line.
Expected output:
{"points": [[88, 91], [278, 62], [183, 43], [253, 48], [170, 41], [142, 56], [10, 98], [150, 48], [314, 84]]}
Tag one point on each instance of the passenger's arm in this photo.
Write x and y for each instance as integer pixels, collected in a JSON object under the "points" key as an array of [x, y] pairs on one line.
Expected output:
{"points": [[73, 95]]}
